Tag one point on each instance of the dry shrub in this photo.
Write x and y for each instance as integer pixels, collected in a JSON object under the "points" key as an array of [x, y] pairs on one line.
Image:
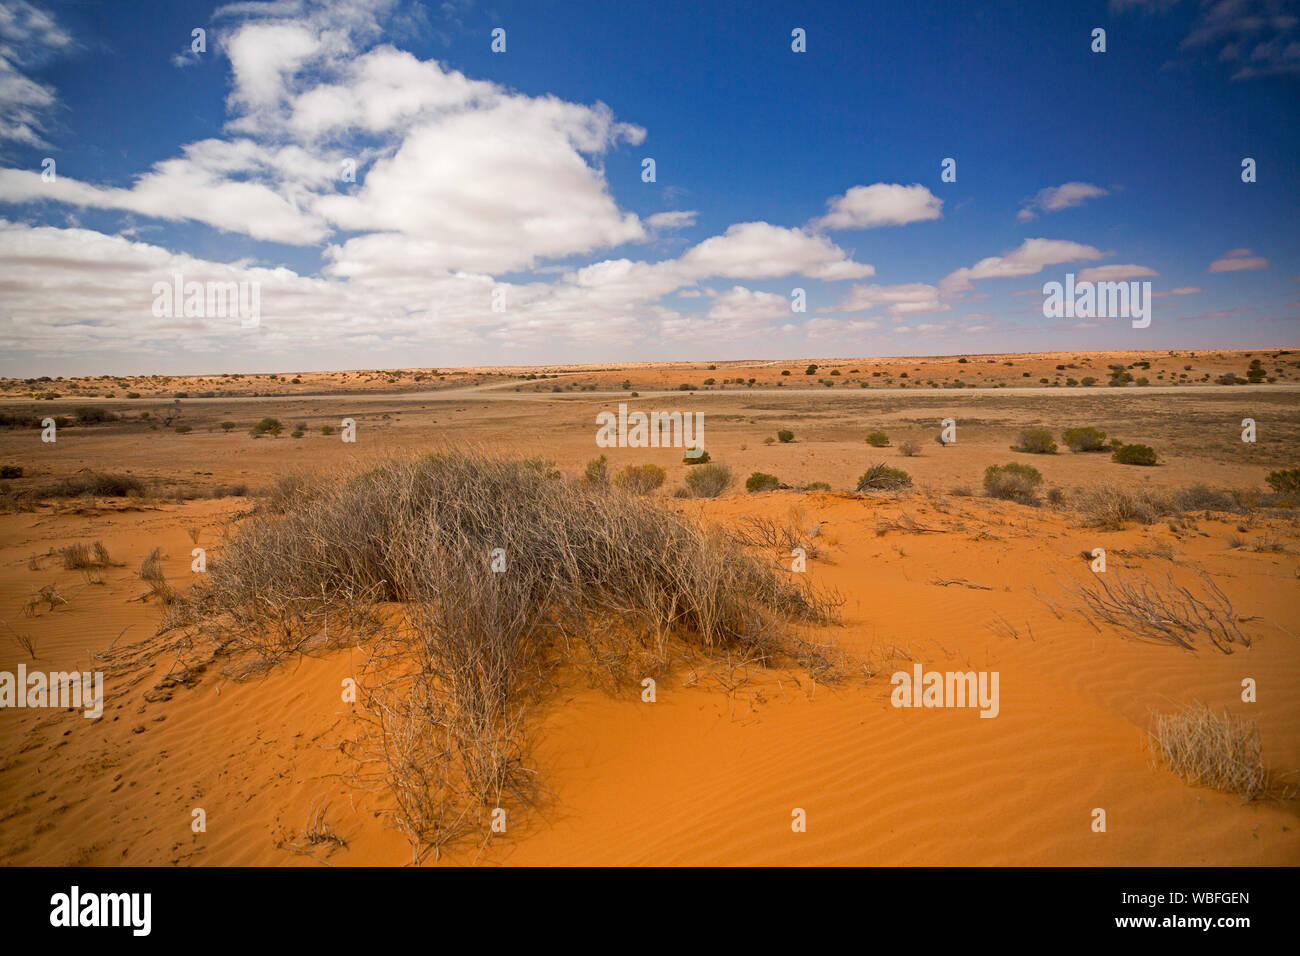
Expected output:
{"points": [[708, 481], [78, 557], [600, 578], [1111, 508], [640, 479], [1162, 610], [1209, 750]]}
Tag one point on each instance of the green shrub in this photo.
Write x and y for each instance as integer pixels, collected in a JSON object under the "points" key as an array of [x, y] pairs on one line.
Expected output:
{"points": [[1284, 482], [327, 429], [883, 478], [227, 426], [817, 486], [760, 481], [810, 370], [708, 481], [877, 439], [695, 456], [785, 435], [1134, 455], [11, 471], [267, 426], [1036, 441], [1083, 439], [640, 479], [297, 433], [1013, 482], [597, 471], [183, 429]]}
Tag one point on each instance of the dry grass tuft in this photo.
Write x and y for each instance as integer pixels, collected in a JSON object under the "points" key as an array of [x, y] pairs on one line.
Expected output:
{"points": [[1209, 750]]}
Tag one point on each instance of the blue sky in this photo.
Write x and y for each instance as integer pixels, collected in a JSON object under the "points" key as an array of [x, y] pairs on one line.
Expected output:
{"points": [[499, 215]]}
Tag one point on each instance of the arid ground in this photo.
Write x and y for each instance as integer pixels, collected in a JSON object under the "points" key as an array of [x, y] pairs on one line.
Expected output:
{"points": [[937, 573]]}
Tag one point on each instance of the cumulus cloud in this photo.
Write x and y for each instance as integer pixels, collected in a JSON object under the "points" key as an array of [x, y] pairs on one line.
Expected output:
{"points": [[1054, 198], [760, 250], [1238, 260], [881, 204]]}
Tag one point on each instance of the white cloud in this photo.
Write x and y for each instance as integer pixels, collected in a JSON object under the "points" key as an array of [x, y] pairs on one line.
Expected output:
{"points": [[1115, 273], [1054, 198], [1029, 258], [881, 204], [28, 38], [759, 250], [678, 219], [1238, 260], [913, 298]]}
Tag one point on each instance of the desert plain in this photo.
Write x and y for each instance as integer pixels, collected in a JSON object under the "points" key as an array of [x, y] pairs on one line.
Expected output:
{"points": [[733, 747]]}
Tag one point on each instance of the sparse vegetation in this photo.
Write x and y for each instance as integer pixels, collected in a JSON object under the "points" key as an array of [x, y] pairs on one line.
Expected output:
{"points": [[640, 479], [599, 581], [1084, 439], [1036, 441], [1013, 482], [1285, 481], [883, 477], [785, 436], [877, 439], [708, 481], [761, 481], [1134, 455]]}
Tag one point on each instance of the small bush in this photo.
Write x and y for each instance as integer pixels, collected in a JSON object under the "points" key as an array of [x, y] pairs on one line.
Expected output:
{"points": [[1284, 482], [597, 471], [1013, 482], [183, 429], [640, 479], [695, 456], [267, 426], [708, 481], [1036, 441], [785, 435], [761, 481], [227, 426], [910, 449], [1084, 439], [1134, 455], [93, 415], [883, 478], [11, 471], [327, 429], [877, 440], [817, 486]]}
